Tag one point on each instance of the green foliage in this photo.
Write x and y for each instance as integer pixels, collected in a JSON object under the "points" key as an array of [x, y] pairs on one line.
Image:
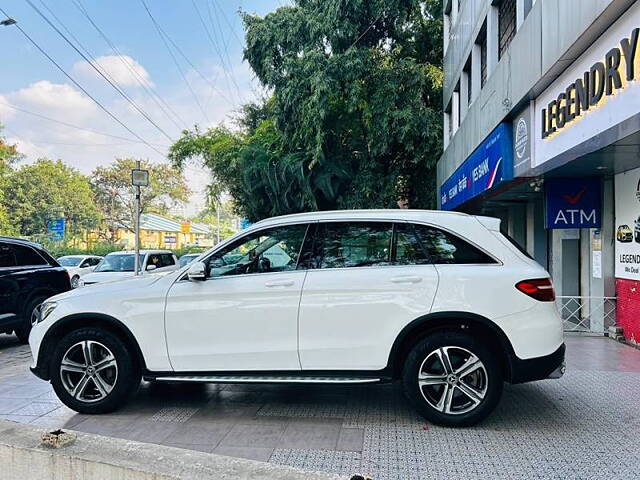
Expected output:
{"points": [[115, 195], [58, 249], [9, 155], [46, 190], [354, 120]]}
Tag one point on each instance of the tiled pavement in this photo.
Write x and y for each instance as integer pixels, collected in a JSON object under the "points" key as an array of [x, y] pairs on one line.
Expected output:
{"points": [[586, 425]]}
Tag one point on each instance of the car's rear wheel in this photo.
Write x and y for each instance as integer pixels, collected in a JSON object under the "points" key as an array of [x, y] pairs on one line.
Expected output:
{"points": [[452, 379], [29, 314], [94, 371]]}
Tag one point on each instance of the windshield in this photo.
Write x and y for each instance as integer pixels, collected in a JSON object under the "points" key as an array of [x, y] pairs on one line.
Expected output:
{"points": [[186, 259], [69, 261], [118, 263]]}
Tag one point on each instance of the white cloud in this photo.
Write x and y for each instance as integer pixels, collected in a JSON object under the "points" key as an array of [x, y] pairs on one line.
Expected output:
{"points": [[5, 112], [123, 70], [54, 99]]}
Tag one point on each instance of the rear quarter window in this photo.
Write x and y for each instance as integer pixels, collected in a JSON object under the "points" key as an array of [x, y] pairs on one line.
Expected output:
{"points": [[445, 248]]}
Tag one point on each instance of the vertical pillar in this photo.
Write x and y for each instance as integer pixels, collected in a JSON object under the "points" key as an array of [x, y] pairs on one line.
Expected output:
{"points": [[464, 95], [455, 112], [445, 130], [520, 13], [447, 27], [476, 66], [530, 225]]}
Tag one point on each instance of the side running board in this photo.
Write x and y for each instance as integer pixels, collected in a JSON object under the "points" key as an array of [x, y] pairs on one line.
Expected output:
{"points": [[264, 379]]}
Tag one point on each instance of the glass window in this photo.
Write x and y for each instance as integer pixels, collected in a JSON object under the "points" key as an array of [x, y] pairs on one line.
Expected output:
{"points": [[28, 256], [167, 260], [7, 256], [70, 261], [444, 248], [266, 251], [408, 250], [118, 263], [94, 261], [354, 244], [506, 25]]}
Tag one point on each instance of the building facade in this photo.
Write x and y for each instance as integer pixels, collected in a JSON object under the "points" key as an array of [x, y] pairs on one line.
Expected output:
{"points": [[542, 129], [157, 232]]}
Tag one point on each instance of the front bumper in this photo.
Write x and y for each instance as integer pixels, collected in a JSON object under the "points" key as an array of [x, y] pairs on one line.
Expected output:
{"points": [[549, 366]]}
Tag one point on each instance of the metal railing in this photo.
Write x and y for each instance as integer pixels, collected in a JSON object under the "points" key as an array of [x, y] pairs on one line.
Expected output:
{"points": [[587, 314]]}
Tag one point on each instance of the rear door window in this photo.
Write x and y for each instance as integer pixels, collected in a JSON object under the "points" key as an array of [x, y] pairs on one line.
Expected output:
{"points": [[7, 256], [27, 256], [351, 244]]}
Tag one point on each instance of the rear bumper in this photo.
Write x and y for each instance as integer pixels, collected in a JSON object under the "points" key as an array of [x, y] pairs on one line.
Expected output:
{"points": [[539, 368]]}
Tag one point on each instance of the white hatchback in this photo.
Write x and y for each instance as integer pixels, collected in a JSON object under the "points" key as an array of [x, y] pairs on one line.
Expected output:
{"points": [[441, 301]]}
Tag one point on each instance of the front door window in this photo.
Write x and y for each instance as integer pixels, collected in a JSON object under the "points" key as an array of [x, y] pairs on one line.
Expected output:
{"points": [[267, 251]]}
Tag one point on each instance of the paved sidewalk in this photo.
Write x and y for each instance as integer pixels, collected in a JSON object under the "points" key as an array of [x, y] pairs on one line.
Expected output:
{"points": [[585, 425]]}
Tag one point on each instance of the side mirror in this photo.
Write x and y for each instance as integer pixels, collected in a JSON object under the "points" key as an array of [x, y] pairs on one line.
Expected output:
{"points": [[151, 268], [197, 272]]}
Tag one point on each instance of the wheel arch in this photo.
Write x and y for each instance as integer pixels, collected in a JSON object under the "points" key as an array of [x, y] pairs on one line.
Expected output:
{"points": [[75, 321], [466, 322]]}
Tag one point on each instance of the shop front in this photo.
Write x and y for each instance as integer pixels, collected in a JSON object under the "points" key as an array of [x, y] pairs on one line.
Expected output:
{"points": [[572, 197]]}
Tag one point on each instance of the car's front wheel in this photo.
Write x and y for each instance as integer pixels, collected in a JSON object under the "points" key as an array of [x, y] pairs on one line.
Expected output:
{"points": [[452, 379], [94, 371], [75, 281]]}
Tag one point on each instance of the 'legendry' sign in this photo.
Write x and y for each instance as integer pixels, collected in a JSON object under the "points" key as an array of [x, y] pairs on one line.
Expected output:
{"points": [[602, 79]]}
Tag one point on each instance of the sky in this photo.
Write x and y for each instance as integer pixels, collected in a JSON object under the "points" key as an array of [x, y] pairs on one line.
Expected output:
{"points": [[211, 83]]}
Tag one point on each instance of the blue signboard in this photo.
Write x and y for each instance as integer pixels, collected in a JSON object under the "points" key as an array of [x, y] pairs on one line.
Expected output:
{"points": [[489, 165], [574, 202], [244, 223], [55, 229]]}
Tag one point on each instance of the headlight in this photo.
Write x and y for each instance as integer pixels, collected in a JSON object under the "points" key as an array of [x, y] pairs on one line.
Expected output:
{"points": [[44, 311]]}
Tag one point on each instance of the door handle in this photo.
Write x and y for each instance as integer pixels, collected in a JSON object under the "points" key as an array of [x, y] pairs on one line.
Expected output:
{"points": [[279, 283], [406, 279]]}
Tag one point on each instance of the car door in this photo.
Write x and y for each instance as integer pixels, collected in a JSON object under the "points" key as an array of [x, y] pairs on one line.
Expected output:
{"points": [[366, 281], [9, 287], [244, 316]]}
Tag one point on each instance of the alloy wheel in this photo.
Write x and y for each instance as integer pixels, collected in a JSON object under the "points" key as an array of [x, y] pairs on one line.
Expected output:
{"points": [[88, 371], [453, 380]]}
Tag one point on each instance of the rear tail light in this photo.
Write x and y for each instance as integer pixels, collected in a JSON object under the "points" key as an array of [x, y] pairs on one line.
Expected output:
{"points": [[540, 288]]}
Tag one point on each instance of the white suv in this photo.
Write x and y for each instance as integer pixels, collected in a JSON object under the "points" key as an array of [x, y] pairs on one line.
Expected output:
{"points": [[441, 301]]}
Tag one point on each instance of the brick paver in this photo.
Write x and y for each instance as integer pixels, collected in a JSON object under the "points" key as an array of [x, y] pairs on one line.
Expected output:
{"points": [[582, 426]]}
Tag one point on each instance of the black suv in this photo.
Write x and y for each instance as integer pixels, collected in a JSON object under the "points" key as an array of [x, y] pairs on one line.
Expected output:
{"points": [[28, 276]]}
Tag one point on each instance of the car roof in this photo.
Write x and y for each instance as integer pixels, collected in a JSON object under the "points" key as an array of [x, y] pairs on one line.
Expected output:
{"points": [[21, 241], [142, 252], [81, 256], [380, 214]]}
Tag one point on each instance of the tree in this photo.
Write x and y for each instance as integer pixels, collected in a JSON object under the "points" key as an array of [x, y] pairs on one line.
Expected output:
{"points": [[47, 190], [9, 156], [355, 115], [116, 196]]}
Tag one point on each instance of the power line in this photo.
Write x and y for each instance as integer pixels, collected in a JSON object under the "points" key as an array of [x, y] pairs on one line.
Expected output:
{"points": [[162, 104], [213, 43], [74, 81], [226, 44], [70, 125], [99, 71], [175, 60], [186, 58]]}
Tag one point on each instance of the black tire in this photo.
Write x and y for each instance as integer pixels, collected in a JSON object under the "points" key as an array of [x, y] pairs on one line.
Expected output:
{"points": [[74, 281], [486, 381], [125, 381], [23, 331]]}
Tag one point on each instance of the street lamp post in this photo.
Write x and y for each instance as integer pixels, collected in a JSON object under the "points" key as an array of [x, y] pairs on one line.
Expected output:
{"points": [[139, 178]]}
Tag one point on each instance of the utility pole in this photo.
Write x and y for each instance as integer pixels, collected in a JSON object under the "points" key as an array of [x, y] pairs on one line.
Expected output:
{"points": [[218, 214], [139, 178]]}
